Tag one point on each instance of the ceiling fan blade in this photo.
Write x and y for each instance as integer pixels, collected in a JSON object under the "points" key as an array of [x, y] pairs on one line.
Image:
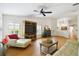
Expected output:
{"points": [[48, 12], [75, 4], [43, 14], [35, 11], [42, 9]]}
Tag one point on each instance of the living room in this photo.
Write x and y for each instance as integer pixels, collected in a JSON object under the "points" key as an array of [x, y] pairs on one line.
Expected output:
{"points": [[61, 23]]}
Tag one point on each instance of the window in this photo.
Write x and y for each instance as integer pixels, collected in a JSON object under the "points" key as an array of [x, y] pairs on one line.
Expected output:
{"points": [[13, 28]]}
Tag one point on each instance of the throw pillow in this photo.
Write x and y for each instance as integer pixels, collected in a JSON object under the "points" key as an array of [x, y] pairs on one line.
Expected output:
{"points": [[5, 40], [13, 36]]}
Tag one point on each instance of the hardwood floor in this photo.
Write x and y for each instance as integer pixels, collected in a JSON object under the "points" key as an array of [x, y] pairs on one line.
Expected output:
{"points": [[33, 49]]}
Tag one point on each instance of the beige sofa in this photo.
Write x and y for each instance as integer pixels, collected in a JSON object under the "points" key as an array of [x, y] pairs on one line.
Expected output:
{"points": [[69, 49]]}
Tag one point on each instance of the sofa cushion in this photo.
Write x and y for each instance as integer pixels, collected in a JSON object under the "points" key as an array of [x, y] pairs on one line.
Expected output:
{"points": [[12, 42]]}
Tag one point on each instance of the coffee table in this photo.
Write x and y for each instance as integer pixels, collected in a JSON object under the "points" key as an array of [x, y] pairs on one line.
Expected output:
{"points": [[48, 46]]}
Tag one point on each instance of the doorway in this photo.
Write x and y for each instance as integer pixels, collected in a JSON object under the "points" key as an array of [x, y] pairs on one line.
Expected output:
{"points": [[73, 34]]}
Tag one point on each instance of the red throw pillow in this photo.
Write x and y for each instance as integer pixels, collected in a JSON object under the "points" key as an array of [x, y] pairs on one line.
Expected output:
{"points": [[13, 36], [5, 40]]}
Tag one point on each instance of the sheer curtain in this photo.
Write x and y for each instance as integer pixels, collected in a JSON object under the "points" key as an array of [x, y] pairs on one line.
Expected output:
{"points": [[39, 31]]}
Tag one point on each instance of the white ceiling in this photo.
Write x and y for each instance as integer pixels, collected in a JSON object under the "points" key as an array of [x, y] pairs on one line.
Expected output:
{"points": [[26, 9]]}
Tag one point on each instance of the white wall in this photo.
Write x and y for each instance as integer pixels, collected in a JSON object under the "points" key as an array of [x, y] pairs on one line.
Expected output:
{"points": [[54, 26], [51, 22], [20, 19], [0, 20], [74, 22]]}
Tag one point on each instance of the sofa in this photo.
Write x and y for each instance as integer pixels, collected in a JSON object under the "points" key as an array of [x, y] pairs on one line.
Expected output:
{"points": [[15, 41], [70, 48]]}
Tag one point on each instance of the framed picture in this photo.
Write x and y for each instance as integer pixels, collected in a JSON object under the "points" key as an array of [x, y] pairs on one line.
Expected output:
{"points": [[64, 28]]}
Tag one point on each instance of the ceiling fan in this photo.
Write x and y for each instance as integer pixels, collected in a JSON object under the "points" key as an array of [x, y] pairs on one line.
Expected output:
{"points": [[43, 12]]}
